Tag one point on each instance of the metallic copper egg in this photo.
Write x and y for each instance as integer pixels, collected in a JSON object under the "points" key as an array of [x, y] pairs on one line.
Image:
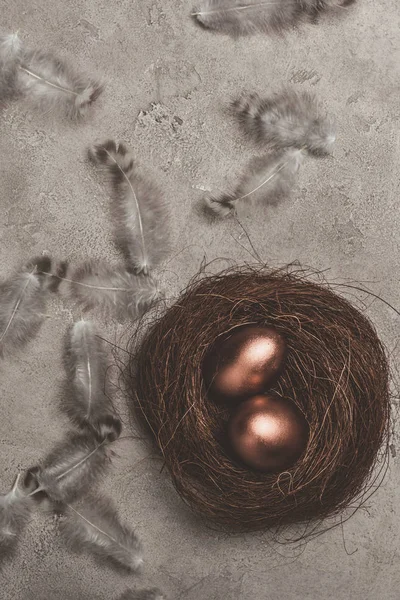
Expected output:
{"points": [[268, 433], [244, 362]]}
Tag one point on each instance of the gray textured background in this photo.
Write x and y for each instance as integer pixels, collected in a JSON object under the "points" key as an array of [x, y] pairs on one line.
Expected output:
{"points": [[343, 216]]}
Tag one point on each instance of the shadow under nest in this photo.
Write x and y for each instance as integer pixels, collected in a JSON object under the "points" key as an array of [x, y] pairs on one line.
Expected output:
{"points": [[336, 372]]}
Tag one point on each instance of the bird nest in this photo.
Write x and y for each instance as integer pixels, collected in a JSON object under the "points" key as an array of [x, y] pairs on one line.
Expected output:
{"points": [[336, 372]]}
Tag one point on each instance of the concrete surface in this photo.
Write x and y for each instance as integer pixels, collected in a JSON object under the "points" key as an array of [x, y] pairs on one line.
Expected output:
{"points": [[343, 217]]}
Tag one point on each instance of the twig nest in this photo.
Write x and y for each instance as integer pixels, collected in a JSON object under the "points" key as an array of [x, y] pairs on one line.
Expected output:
{"points": [[335, 372]]}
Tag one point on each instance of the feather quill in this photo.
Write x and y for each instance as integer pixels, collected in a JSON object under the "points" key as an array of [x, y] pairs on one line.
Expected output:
{"points": [[289, 119], [113, 290], [86, 401], [72, 468], [246, 17], [96, 527], [152, 594], [139, 209], [267, 179], [15, 508], [22, 305], [10, 54]]}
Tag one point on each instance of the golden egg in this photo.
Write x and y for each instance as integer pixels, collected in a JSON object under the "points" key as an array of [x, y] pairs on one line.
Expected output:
{"points": [[268, 433], [244, 362]]}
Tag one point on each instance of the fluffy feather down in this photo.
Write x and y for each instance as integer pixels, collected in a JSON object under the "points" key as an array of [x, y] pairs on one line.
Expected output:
{"points": [[15, 508], [22, 305], [72, 468], [284, 120], [86, 400], [139, 209], [96, 527], [113, 290], [152, 594], [267, 179], [245, 17]]}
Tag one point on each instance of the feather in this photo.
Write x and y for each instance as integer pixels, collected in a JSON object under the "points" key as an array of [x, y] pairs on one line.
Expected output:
{"points": [[288, 119], [86, 401], [72, 468], [267, 179], [245, 17], [152, 594], [113, 290], [52, 85], [23, 305], [139, 210], [49, 83], [96, 527], [15, 508], [10, 54]]}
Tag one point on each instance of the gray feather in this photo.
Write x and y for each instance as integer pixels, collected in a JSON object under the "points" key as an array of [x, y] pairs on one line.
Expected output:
{"points": [[86, 400], [73, 467], [267, 179], [139, 209], [96, 527], [15, 509], [289, 119], [53, 86], [45, 81], [23, 305], [113, 290], [245, 17]]}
